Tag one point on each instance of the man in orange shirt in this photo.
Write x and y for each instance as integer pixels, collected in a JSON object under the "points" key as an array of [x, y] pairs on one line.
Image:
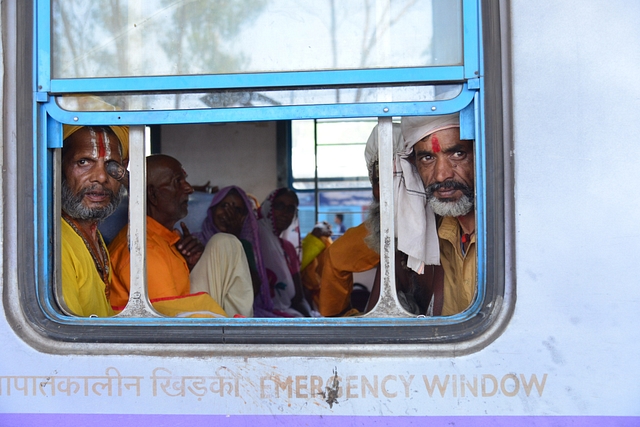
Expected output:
{"points": [[176, 260]]}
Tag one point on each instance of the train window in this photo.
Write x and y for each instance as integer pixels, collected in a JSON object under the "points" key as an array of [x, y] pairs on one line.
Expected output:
{"points": [[209, 80]]}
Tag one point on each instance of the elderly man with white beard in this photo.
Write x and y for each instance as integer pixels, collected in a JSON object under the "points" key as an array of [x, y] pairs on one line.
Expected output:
{"points": [[445, 164]]}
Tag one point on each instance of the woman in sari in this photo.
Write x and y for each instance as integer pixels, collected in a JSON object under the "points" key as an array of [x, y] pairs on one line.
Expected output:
{"points": [[280, 257], [231, 212]]}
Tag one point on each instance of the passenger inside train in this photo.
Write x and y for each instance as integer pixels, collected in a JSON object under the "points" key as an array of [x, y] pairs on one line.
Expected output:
{"points": [[89, 195], [444, 163], [281, 258], [358, 249], [232, 211], [179, 264]]}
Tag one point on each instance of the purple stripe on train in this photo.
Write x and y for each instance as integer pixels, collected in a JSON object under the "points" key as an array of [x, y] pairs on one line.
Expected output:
{"points": [[109, 420]]}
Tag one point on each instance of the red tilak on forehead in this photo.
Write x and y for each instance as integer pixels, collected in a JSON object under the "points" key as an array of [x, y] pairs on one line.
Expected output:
{"points": [[435, 144], [102, 151]]}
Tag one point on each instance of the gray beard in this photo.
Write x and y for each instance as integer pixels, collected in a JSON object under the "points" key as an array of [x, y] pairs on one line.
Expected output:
{"points": [[449, 207], [72, 203], [373, 226], [461, 207]]}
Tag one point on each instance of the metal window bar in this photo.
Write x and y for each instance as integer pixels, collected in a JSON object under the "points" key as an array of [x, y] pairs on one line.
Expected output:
{"points": [[138, 305], [388, 304]]}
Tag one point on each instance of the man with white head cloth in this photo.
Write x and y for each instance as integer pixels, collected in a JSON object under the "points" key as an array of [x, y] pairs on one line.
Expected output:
{"points": [[418, 275], [445, 165], [359, 249]]}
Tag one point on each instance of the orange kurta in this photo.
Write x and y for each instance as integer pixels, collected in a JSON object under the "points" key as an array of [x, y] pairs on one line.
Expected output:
{"points": [[347, 255], [167, 270]]}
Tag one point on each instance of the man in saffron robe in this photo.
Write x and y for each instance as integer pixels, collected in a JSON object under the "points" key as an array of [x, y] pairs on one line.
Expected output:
{"points": [[179, 263]]}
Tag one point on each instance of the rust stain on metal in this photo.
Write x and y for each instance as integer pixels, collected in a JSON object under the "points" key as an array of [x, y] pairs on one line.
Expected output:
{"points": [[330, 395]]}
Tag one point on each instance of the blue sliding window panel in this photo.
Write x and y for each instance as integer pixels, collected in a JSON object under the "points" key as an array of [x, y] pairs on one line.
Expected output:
{"points": [[242, 114], [43, 47], [437, 74], [450, 74], [471, 34]]}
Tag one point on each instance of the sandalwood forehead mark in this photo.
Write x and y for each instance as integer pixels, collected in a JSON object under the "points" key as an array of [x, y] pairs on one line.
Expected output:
{"points": [[435, 144], [94, 143], [100, 144], [104, 145]]}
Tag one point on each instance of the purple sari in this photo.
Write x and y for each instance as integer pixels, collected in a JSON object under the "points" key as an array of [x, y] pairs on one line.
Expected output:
{"points": [[262, 304]]}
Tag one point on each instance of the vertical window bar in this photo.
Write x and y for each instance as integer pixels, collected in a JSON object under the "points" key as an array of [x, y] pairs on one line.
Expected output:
{"points": [[43, 46], [316, 193], [388, 304], [481, 218], [138, 305], [57, 231], [471, 42]]}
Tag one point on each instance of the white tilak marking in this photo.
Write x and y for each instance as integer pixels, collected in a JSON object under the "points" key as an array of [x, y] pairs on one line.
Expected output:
{"points": [[107, 145], [94, 143]]}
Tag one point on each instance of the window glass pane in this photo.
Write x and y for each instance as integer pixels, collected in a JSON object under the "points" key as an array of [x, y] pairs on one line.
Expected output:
{"points": [[105, 38], [342, 184], [258, 98], [352, 205], [340, 151]]}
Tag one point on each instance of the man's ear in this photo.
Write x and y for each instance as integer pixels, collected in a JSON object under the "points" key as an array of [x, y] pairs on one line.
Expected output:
{"points": [[152, 199]]}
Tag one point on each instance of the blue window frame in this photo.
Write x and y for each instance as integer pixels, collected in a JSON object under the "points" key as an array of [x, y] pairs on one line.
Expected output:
{"points": [[51, 94]]}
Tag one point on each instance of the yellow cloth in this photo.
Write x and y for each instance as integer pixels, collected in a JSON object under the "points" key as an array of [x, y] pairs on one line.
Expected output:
{"points": [[459, 271], [194, 305], [313, 263], [83, 290], [312, 246], [347, 255], [223, 272], [167, 270], [122, 132]]}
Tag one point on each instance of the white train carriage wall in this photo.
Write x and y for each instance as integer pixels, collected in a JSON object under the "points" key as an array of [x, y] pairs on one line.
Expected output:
{"points": [[546, 90]]}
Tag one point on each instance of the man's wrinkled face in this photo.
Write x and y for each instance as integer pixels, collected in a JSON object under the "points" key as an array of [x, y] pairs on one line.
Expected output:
{"points": [[88, 192], [171, 191], [446, 165]]}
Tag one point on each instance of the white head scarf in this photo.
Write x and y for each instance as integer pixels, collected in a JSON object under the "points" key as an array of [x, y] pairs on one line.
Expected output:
{"points": [[415, 223], [371, 149], [415, 129]]}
